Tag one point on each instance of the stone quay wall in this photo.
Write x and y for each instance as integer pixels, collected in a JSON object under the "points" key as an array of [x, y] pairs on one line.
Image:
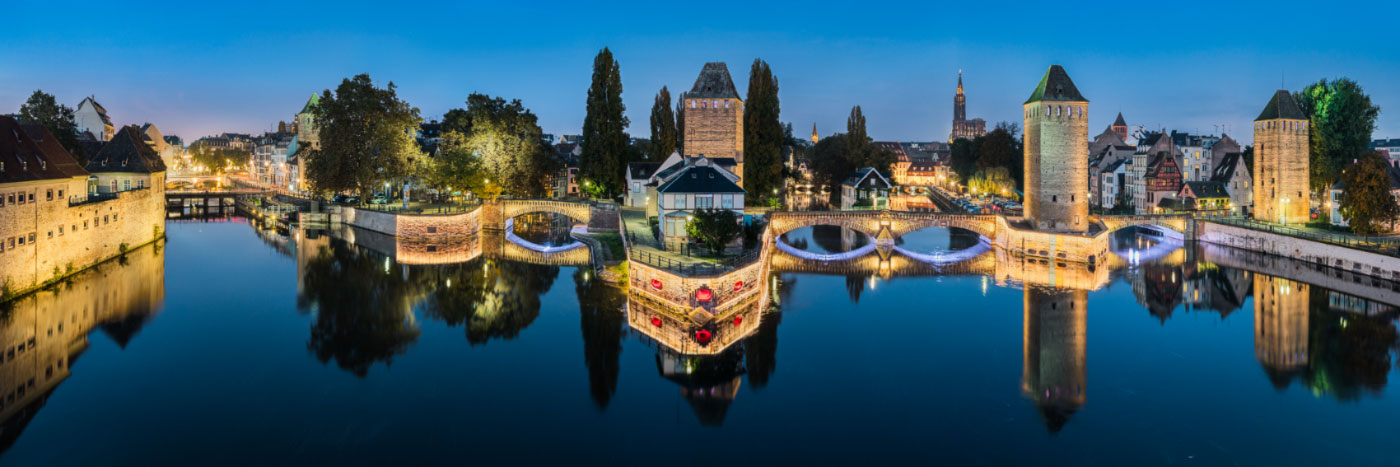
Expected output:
{"points": [[1333, 256], [59, 238], [1020, 240]]}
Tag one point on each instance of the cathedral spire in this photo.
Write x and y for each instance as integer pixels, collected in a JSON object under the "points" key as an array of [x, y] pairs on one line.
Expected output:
{"points": [[960, 81], [814, 133]]}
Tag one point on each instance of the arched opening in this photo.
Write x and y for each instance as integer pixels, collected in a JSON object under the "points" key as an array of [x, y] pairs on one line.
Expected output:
{"points": [[942, 244], [1145, 243], [544, 231], [826, 242]]}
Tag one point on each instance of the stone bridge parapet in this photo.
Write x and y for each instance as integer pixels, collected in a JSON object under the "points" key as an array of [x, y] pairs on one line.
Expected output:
{"points": [[882, 225]]}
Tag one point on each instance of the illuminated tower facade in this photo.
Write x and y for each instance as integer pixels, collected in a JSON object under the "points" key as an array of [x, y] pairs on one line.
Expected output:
{"points": [[1053, 350], [1281, 162], [1057, 155], [1280, 327]]}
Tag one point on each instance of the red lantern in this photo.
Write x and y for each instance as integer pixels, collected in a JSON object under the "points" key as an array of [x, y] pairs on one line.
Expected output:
{"points": [[738, 319], [703, 295], [702, 336], [656, 284], [656, 321], [738, 285]]}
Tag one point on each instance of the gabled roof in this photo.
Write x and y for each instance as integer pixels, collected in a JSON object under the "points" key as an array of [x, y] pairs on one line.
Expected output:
{"points": [[1110, 168], [311, 104], [1225, 170], [101, 111], [30, 152], [1282, 105], [1056, 86], [860, 176], [700, 179], [642, 170], [126, 152], [713, 83], [1201, 190]]}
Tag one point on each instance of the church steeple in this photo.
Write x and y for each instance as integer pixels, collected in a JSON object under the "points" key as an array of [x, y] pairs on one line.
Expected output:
{"points": [[814, 133], [960, 81], [959, 103]]}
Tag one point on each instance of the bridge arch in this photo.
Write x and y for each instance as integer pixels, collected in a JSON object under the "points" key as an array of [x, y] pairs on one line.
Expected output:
{"points": [[1175, 226], [882, 224], [576, 210]]}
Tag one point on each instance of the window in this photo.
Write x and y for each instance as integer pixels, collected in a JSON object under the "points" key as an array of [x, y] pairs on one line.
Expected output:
{"points": [[678, 202], [50, 235], [1054, 199], [727, 201], [60, 230], [704, 202], [60, 193], [31, 237], [49, 195], [126, 185], [31, 197]]}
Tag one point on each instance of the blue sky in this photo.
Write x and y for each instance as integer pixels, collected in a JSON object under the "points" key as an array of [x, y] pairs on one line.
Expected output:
{"points": [[195, 68]]}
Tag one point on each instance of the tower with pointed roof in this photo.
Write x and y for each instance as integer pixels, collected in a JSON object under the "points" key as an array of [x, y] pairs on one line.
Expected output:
{"points": [[714, 116], [815, 137], [962, 127], [306, 123], [1057, 159], [1281, 162], [1120, 127]]}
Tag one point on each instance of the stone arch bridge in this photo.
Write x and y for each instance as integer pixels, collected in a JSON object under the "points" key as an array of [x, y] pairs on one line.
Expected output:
{"points": [[1179, 226], [882, 225], [600, 217]]}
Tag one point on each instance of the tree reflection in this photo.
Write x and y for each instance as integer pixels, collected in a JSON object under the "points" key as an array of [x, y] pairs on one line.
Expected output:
{"points": [[492, 299], [362, 307], [709, 383], [600, 317], [761, 350], [1350, 352]]}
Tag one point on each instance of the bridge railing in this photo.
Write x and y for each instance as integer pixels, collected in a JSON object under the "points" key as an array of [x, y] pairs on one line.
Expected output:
{"points": [[1389, 246], [694, 269], [426, 210]]}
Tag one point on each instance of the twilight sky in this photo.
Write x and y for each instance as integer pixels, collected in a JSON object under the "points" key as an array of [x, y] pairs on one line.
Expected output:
{"points": [[199, 68]]}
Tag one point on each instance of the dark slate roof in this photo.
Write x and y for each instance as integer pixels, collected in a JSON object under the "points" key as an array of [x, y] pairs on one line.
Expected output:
{"points": [[1226, 169], [713, 83], [126, 152], [1056, 86], [1115, 165], [642, 170], [1119, 121], [859, 177], [30, 152], [1385, 143], [1282, 105], [1210, 189], [700, 179]]}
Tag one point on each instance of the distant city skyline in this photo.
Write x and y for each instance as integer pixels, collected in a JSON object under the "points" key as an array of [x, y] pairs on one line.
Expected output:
{"points": [[208, 71]]}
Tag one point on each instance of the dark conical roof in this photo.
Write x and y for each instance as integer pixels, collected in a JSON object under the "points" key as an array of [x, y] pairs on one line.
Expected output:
{"points": [[1056, 86], [1282, 105], [1119, 121], [713, 83]]}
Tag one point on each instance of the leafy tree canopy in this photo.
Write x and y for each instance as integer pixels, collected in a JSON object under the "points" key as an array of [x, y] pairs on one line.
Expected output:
{"points": [[1342, 119], [1366, 200], [43, 109], [367, 138], [716, 227]]}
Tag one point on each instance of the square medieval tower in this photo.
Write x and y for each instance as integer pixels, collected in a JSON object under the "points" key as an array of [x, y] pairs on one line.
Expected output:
{"points": [[1057, 155], [1281, 167], [714, 116]]}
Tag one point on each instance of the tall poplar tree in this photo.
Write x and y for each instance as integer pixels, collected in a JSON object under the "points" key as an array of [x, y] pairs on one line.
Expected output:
{"points": [[763, 132], [663, 126], [680, 125], [604, 145]]}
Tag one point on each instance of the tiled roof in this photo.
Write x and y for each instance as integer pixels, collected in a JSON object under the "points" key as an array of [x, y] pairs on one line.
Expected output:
{"points": [[713, 83], [1210, 189], [642, 170], [700, 179], [126, 152], [30, 152], [1056, 86], [1225, 170], [1282, 105]]}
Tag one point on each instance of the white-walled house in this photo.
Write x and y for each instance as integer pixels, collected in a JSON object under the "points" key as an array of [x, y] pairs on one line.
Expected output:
{"points": [[695, 185], [92, 117]]}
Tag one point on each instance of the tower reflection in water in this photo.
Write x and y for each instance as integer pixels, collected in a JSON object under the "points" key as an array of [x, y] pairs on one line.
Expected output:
{"points": [[42, 334]]}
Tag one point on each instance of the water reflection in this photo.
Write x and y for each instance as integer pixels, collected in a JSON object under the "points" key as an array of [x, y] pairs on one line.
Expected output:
{"points": [[544, 228], [1053, 372], [42, 334]]}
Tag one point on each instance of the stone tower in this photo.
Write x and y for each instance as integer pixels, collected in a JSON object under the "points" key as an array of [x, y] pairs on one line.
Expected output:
{"points": [[1057, 155], [1281, 162], [1053, 366], [1280, 327], [1120, 127], [714, 116]]}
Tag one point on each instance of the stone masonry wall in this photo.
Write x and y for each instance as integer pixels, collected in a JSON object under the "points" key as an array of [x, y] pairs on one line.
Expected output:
{"points": [[1281, 188], [1058, 247], [714, 128], [60, 239], [1338, 257], [1057, 165]]}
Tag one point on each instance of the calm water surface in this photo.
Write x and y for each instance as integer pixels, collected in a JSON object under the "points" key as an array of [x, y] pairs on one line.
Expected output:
{"points": [[233, 345]]}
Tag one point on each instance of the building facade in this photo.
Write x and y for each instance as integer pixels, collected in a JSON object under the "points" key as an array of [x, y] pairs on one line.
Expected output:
{"points": [[92, 118], [697, 184], [1281, 162], [714, 116], [1057, 161]]}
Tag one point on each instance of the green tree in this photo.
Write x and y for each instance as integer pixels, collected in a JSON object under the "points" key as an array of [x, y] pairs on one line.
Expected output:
{"points": [[680, 126], [1001, 149], [1366, 200], [219, 159], [507, 144], [829, 164], [963, 157], [367, 138], [663, 126], [716, 227], [1341, 120], [456, 167], [604, 145], [763, 132], [857, 141], [43, 109]]}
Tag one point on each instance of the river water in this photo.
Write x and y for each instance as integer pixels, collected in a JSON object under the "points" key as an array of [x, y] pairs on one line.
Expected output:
{"points": [[232, 344]]}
